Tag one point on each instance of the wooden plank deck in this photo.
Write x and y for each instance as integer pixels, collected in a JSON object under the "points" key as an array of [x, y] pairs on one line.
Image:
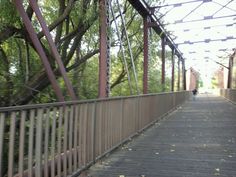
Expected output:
{"points": [[196, 140]]}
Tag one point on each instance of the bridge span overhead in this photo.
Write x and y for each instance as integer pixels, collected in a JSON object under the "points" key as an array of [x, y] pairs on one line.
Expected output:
{"points": [[104, 88]]}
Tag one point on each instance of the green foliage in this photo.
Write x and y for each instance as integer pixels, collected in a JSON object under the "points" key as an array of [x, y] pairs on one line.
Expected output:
{"points": [[78, 36], [8, 13]]}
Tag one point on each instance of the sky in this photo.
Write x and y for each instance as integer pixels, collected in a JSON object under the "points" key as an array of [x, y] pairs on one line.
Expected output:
{"points": [[209, 25]]}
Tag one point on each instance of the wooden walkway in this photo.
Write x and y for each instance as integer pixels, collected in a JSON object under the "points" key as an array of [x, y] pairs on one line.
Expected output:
{"points": [[196, 140]]}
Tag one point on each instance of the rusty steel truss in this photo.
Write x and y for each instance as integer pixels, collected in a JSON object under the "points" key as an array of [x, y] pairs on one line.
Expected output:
{"points": [[39, 48], [150, 21]]}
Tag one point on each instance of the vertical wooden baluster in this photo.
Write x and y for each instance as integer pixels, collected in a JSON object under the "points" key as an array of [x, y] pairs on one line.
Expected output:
{"points": [[11, 144], [31, 141], [22, 142], [46, 144], [2, 126], [53, 142], [38, 153]]}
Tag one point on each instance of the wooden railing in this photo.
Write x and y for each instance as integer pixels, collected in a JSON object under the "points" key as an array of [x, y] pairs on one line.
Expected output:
{"points": [[230, 94], [61, 139]]}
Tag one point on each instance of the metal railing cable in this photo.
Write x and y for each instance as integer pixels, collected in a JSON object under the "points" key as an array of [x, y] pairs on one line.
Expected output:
{"points": [[129, 46], [122, 48]]}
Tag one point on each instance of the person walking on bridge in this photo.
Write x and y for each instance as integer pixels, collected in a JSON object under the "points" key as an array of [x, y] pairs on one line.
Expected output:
{"points": [[194, 91]]}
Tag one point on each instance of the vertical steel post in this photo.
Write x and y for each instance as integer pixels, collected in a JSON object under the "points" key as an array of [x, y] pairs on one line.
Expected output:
{"points": [[163, 55], [104, 50], [39, 49], [184, 74], [145, 53], [173, 70], [108, 60], [53, 48], [229, 85], [178, 84]]}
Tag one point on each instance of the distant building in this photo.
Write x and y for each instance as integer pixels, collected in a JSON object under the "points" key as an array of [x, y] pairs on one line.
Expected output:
{"points": [[192, 79], [233, 77], [220, 78]]}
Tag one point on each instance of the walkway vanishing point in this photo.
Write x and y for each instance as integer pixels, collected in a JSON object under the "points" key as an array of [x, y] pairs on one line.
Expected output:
{"points": [[197, 140], [64, 139]]}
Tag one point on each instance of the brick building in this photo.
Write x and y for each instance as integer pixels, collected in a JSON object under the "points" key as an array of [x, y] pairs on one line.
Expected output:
{"points": [[192, 79]]}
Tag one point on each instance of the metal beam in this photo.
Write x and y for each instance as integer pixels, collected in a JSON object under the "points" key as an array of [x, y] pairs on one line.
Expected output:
{"points": [[129, 47], [222, 7], [173, 70], [103, 75], [163, 56], [229, 8], [198, 6], [144, 10], [145, 53], [39, 49], [198, 20], [139, 6], [53, 48], [122, 49], [206, 41], [186, 30], [178, 84], [229, 85], [184, 74], [181, 3]]}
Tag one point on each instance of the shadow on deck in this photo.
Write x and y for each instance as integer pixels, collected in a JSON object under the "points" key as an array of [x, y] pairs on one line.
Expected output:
{"points": [[198, 139]]}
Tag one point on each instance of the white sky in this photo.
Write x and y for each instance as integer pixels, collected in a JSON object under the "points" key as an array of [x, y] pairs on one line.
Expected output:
{"points": [[200, 55]]}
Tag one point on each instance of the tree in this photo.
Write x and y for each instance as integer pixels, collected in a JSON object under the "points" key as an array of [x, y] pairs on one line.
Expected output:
{"points": [[18, 55], [75, 29]]}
